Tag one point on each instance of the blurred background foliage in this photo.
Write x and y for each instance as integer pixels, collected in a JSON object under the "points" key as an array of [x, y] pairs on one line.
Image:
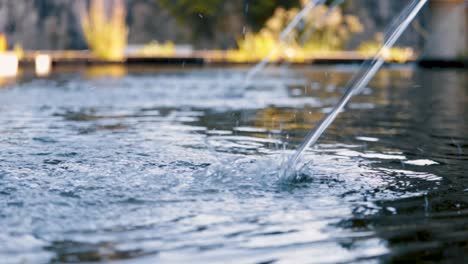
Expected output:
{"points": [[155, 48], [395, 54], [156, 26], [323, 29], [258, 12], [203, 16], [3, 43], [195, 14], [105, 31]]}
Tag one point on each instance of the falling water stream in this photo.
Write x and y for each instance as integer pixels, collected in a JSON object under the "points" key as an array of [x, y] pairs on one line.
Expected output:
{"points": [[357, 82]]}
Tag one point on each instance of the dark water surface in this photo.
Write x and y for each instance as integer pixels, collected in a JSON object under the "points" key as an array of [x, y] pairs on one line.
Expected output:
{"points": [[153, 166]]}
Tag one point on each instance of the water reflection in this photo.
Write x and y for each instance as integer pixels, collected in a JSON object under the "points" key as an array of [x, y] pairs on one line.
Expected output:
{"points": [[172, 166], [431, 226], [105, 71]]}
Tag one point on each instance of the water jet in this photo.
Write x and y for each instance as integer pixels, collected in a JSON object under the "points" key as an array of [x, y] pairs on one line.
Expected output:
{"points": [[357, 82]]}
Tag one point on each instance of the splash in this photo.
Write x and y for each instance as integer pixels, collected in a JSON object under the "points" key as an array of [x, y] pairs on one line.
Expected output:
{"points": [[357, 82]]}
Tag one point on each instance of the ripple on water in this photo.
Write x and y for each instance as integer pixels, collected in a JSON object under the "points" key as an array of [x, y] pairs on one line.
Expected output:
{"points": [[183, 167]]}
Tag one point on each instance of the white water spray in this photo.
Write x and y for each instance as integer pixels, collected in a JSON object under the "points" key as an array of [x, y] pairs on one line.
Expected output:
{"points": [[359, 80]]}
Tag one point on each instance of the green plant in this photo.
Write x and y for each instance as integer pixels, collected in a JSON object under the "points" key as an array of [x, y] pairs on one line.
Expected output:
{"points": [[3, 43], [323, 29], [18, 50], [106, 34], [397, 54], [155, 49]]}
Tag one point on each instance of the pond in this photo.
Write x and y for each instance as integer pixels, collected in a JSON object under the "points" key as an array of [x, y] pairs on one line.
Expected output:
{"points": [[156, 165]]}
